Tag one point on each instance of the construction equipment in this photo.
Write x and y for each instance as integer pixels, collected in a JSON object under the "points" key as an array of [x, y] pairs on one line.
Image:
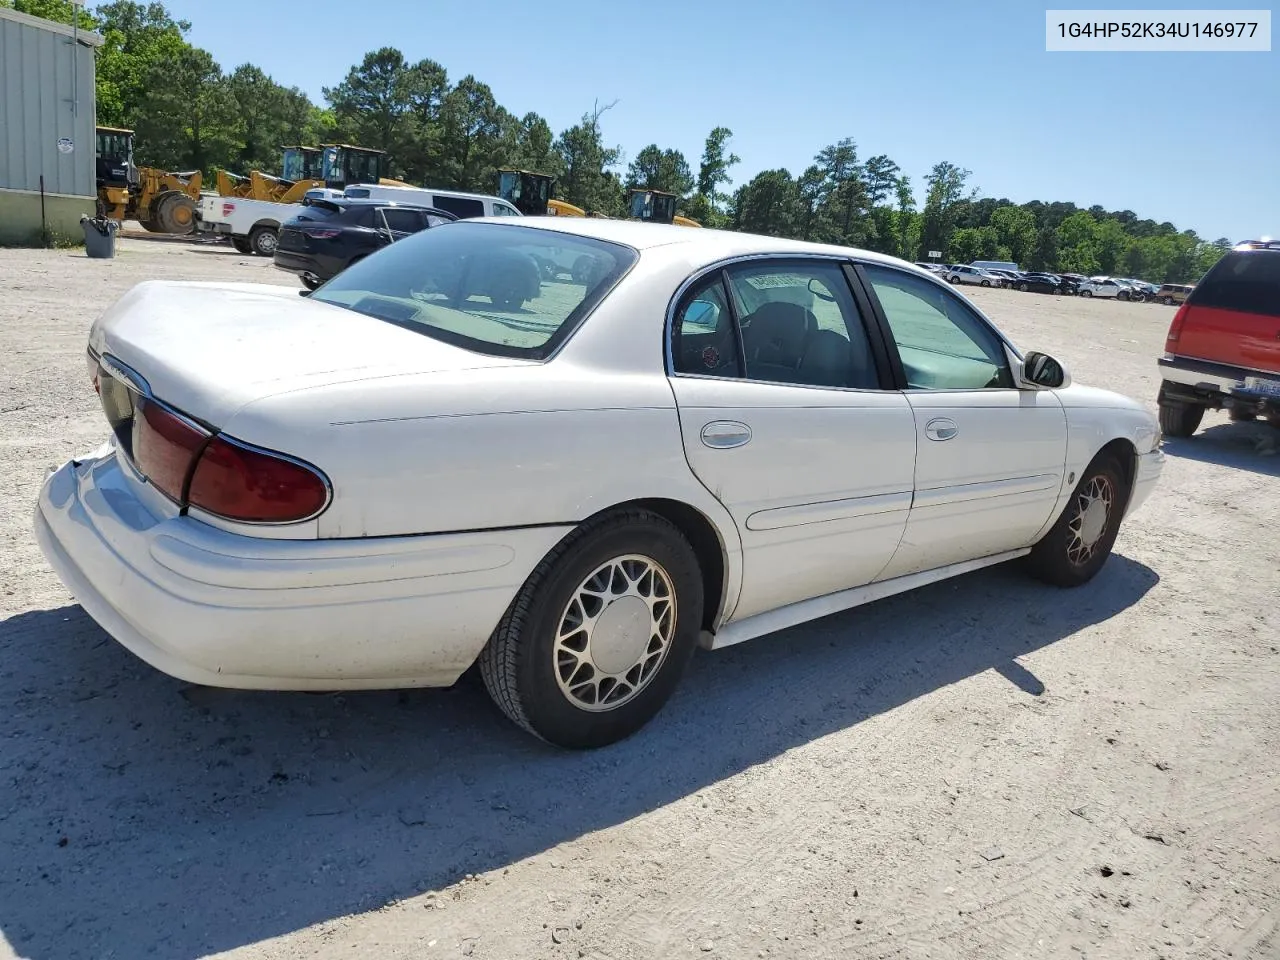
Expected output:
{"points": [[162, 201], [530, 193], [655, 206], [334, 165]]}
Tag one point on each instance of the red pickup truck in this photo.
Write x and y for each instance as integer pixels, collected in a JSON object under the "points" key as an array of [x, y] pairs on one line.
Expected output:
{"points": [[1223, 347]]}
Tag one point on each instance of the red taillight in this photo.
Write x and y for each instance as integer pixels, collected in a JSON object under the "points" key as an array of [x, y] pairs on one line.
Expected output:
{"points": [[227, 208], [320, 233], [164, 444], [1175, 328], [239, 482]]}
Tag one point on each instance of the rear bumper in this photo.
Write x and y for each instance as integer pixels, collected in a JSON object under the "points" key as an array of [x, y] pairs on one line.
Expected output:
{"points": [[1217, 384], [322, 268], [221, 609], [203, 226]]}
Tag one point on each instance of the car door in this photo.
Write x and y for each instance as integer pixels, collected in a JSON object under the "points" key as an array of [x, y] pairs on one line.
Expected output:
{"points": [[780, 390], [396, 223], [990, 457]]}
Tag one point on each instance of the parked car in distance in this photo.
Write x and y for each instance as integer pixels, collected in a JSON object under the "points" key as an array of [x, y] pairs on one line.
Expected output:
{"points": [[327, 236], [462, 205], [967, 274], [383, 483], [1009, 277], [1101, 287], [1042, 283], [1172, 293], [939, 268], [1223, 347]]}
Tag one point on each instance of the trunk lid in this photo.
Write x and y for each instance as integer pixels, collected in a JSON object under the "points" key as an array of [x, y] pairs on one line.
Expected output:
{"points": [[208, 349]]}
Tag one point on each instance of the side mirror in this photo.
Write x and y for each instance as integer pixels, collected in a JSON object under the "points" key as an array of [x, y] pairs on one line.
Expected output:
{"points": [[1042, 372]]}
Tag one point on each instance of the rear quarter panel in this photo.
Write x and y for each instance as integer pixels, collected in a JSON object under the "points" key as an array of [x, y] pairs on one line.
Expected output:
{"points": [[1249, 340]]}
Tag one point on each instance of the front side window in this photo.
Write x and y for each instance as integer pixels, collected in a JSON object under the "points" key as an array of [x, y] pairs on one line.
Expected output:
{"points": [[942, 343], [480, 285], [401, 220], [800, 325]]}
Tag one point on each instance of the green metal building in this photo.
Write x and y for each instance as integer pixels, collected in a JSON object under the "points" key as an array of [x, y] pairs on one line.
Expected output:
{"points": [[47, 128]]}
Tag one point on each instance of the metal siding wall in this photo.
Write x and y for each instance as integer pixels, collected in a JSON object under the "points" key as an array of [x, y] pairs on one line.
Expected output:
{"points": [[36, 110]]}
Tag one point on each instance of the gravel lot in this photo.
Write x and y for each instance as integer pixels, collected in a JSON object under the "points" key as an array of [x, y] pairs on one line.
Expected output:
{"points": [[985, 768]]}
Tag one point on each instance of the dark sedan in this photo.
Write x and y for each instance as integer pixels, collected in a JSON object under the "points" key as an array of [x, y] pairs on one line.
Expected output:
{"points": [[1046, 283], [330, 235]]}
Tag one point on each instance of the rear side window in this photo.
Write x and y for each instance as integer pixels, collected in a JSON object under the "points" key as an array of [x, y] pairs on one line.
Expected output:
{"points": [[357, 193], [399, 219], [459, 206], [1244, 280]]}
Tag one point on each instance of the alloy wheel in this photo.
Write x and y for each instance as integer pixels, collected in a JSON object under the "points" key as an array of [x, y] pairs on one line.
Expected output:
{"points": [[1088, 525]]}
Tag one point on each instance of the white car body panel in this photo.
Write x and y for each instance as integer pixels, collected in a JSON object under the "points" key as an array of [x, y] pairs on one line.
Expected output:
{"points": [[455, 472]]}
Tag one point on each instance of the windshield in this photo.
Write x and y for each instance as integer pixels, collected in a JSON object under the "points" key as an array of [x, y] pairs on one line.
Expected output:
{"points": [[489, 287]]}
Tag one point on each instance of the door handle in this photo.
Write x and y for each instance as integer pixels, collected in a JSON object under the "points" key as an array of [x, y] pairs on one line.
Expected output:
{"points": [[725, 434], [940, 428]]}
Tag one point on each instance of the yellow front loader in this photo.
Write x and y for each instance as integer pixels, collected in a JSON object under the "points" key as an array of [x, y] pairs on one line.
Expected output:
{"points": [[161, 200]]}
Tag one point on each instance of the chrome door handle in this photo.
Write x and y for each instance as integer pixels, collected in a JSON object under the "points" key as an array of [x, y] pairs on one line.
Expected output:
{"points": [[725, 434], [941, 428]]}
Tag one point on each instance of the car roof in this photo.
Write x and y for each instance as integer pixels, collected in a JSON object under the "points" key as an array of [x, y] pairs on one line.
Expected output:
{"points": [[442, 192], [702, 243]]}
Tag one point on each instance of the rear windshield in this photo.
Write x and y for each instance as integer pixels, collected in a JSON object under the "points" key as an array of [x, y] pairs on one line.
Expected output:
{"points": [[1245, 280], [494, 288]]}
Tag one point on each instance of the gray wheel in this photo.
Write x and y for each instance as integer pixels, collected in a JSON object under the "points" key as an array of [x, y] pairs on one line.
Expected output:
{"points": [[1022, 287], [263, 240], [597, 638], [1076, 547], [986, 283], [1086, 293], [953, 279]]}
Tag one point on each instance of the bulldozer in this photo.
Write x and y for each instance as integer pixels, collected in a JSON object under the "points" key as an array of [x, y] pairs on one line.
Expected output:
{"points": [[162, 201], [530, 193], [334, 165], [655, 206]]}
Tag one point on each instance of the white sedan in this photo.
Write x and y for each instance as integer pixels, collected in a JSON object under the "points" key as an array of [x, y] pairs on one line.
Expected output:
{"points": [[702, 438]]}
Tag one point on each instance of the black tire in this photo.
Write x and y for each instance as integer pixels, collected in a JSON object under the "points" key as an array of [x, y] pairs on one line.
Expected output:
{"points": [[1060, 558], [176, 213], [1179, 419], [1167, 301], [263, 240], [1086, 293], [986, 283], [1022, 287], [241, 243], [519, 664], [1240, 415], [953, 279], [1273, 418]]}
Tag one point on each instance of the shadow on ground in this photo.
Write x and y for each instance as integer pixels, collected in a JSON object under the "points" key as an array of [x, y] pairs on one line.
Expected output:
{"points": [[126, 797], [1244, 446]]}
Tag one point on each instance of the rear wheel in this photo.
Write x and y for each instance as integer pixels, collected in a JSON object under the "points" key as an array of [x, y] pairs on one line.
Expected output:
{"points": [[1179, 419], [986, 283], [241, 243], [1076, 547], [596, 640], [953, 279], [1086, 293], [1022, 287], [1167, 301], [262, 241]]}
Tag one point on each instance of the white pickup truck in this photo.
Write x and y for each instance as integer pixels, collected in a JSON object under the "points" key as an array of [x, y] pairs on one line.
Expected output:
{"points": [[252, 225]]}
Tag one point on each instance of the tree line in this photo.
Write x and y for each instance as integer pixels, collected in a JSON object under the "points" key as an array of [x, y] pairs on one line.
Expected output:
{"points": [[191, 115]]}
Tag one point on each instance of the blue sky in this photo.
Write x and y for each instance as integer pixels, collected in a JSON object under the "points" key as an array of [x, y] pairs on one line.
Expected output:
{"points": [[1189, 137]]}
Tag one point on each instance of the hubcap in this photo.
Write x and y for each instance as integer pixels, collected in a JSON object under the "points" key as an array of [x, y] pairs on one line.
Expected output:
{"points": [[1092, 509], [615, 633]]}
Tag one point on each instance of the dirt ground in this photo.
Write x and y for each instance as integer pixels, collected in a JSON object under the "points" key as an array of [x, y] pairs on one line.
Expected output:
{"points": [[985, 768]]}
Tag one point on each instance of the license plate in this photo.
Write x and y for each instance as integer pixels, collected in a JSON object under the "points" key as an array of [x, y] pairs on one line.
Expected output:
{"points": [[1269, 388]]}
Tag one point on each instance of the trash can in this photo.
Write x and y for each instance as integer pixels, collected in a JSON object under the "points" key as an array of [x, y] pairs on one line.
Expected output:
{"points": [[99, 237]]}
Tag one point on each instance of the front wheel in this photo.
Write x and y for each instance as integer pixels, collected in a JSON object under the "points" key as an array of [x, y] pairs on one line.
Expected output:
{"points": [[241, 243], [1022, 287], [1076, 547], [986, 283], [1086, 293], [953, 280], [597, 638]]}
